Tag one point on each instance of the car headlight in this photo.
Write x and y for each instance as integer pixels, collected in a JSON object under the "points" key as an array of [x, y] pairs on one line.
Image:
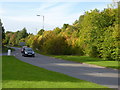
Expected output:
{"points": [[33, 52], [25, 52]]}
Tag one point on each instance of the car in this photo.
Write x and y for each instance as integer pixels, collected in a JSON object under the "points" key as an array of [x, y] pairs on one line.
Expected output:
{"points": [[28, 52]]}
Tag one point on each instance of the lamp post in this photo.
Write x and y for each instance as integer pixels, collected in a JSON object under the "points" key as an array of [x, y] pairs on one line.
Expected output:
{"points": [[43, 20]]}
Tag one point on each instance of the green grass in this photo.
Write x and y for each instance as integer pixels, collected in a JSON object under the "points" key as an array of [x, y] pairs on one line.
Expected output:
{"points": [[86, 59], [89, 60], [18, 74]]}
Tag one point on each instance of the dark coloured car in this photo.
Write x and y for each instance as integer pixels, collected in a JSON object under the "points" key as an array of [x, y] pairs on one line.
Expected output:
{"points": [[28, 52]]}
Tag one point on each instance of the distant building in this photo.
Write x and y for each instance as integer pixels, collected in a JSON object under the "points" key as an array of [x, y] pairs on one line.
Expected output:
{"points": [[22, 43]]}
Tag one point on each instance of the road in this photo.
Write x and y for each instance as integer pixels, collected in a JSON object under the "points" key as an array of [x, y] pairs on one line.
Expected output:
{"points": [[100, 75], [3, 54]]}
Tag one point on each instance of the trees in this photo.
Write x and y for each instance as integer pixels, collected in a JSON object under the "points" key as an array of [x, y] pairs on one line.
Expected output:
{"points": [[2, 31], [57, 30], [29, 40], [94, 34], [14, 38], [65, 26], [41, 32], [2, 34], [97, 33], [55, 45], [22, 34]]}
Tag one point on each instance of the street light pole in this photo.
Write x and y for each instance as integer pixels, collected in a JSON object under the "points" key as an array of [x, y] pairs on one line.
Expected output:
{"points": [[43, 20]]}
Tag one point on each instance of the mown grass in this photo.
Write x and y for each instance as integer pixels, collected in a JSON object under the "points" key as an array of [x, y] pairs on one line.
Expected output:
{"points": [[86, 59], [18, 74], [89, 60]]}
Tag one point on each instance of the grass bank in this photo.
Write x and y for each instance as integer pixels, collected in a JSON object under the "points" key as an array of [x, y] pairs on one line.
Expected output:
{"points": [[89, 60], [86, 59], [18, 74]]}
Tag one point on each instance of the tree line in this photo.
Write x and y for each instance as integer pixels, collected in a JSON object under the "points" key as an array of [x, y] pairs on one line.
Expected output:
{"points": [[94, 34], [14, 38]]}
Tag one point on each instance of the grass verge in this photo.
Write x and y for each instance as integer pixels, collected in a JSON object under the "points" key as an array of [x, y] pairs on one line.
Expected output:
{"points": [[89, 60], [86, 59], [18, 74]]}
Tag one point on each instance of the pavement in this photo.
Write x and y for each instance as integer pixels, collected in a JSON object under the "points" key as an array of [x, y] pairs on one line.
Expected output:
{"points": [[100, 75]]}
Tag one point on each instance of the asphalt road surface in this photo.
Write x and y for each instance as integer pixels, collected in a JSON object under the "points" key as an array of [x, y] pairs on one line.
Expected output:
{"points": [[3, 54], [100, 75]]}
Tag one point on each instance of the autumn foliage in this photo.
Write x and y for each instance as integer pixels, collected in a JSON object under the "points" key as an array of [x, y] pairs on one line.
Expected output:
{"points": [[94, 34]]}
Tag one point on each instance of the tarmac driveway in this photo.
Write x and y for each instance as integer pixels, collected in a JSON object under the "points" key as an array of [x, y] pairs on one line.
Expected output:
{"points": [[96, 74]]}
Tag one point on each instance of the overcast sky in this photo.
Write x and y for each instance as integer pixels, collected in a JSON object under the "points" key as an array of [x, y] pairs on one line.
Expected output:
{"points": [[17, 15]]}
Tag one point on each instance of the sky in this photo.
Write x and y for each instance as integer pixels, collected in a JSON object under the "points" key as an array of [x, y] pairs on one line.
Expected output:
{"points": [[17, 15]]}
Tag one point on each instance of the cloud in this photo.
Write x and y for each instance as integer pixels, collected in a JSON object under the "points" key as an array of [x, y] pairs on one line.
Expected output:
{"points": [[2, 11], [23, 19], [56, 14]]}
